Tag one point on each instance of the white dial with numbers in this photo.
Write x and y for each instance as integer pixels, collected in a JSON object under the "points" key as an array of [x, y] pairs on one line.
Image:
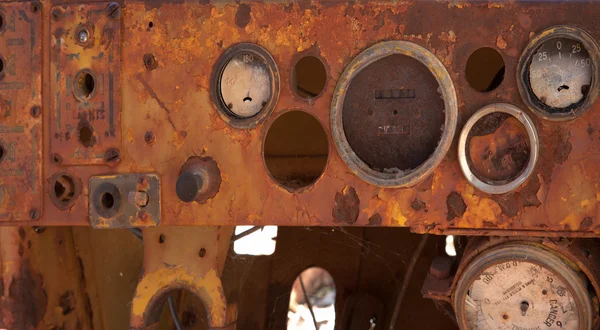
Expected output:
{"points": [[514, 288], [560, 73]]}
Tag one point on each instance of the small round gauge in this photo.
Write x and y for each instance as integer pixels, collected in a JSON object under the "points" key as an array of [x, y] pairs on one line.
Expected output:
{"points": [[558, 75], [498, 148], [245, 85], [519, 286]]}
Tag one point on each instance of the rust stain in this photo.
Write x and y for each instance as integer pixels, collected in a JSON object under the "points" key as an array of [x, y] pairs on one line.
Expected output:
{"points": [[346, 207]]}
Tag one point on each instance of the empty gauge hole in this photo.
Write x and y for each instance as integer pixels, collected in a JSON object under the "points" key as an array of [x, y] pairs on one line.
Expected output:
{"points": [[86, 136], [296, 149], [485, 69], [64, 189], [309, 77], [85, 85]]}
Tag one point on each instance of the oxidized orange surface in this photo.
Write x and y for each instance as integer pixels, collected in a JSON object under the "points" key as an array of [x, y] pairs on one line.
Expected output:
{"points": [[173, 102]]}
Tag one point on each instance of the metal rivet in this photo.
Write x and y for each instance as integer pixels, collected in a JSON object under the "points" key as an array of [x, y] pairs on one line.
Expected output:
{"points": [[83, 36], [35, 111], [149, 137], [114, 10]]}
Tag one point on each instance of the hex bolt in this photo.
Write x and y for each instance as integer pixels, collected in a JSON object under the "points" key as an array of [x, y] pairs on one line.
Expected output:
{"points": [[34, 214], [112, 156], [188, 185], [440, 267], [150, 62], [35, 111], [83, 36], [139, 198], [114, 10], [149, 137]]}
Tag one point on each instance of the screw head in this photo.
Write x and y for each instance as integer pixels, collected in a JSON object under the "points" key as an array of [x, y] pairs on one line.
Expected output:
{"points": [[112, 156], [56, 14], [142, 215], [114, 10], [83, 36], [34, 214], [150, 62], [56, 159], [35, 111], [149, 137]]}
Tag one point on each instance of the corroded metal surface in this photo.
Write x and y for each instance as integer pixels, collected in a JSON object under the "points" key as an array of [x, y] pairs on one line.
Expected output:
{"points": [[183, 258], [84, 83], [167, 115], [20, 111]]}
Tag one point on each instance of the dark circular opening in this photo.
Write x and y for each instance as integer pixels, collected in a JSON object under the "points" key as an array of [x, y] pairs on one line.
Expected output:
{"points": [[1, 21], [108, 200], [497, 148], [150, 24], [202, 253], [1, 64], [309, 77], [296, 149], [161, 238], [485, 69], [64, 189], [86, 136], [181, 305], [85, 85], [56, 159], [393, 114], [1, 152]]}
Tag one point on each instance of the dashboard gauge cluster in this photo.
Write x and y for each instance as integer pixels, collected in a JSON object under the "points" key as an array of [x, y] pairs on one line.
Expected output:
{"points": [[558, 73]]}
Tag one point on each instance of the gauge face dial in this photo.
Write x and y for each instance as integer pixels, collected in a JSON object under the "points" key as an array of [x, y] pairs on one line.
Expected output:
{"points": [[246, 85], [519, 295], [560, 74]]}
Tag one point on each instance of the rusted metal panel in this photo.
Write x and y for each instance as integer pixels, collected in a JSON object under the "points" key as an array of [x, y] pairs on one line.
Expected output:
{"points": [[20, 111], [168, 115], [85, 78]]}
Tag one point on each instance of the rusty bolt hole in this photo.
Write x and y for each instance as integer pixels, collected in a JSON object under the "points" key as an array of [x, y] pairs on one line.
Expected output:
{"points": [[56, 159], [485, 69], [35, 7], [150, 62], [309, 77], [85, 85], [1, 21], [107, 200], [86, 136], [161, 238], [202, 253], [150, 25], [2, 65], [1, 152], [64, 189]]}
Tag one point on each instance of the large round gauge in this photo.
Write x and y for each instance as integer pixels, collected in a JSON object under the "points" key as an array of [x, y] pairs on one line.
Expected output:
{"points": [[521, 286], [394, 114], [245, 85], [558, 75]]}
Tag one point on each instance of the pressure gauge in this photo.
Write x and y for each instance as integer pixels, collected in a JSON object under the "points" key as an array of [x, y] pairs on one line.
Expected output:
{"points": [[558, 74], [521, 286], [245, 85]]}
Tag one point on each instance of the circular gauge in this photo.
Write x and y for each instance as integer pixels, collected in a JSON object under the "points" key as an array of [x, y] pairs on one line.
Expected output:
{"points": [[245, 85], [558, 74], [498, 148], [519, 286], [394, 114]]}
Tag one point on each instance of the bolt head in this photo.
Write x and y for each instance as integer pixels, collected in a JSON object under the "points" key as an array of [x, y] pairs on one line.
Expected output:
{"points": [[83, 36], [441, 267]]}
